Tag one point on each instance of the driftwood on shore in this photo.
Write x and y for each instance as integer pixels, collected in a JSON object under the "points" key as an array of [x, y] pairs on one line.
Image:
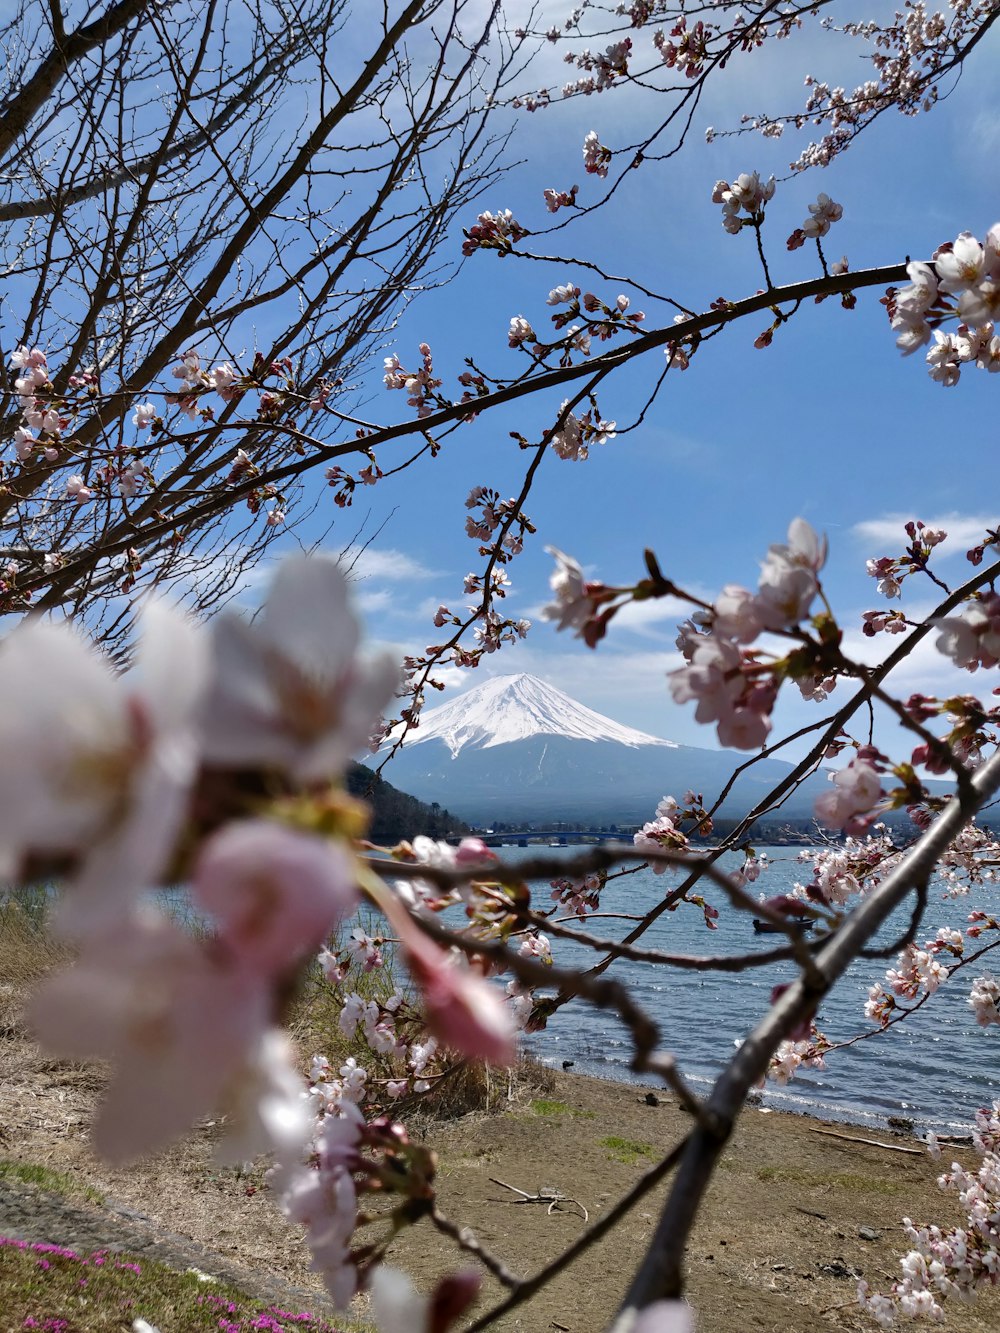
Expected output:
{"points": [[872, 1143], [548, 1196]]}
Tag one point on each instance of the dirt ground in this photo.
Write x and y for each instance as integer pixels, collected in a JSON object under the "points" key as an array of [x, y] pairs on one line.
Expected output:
{"points": [[793, 1219]]}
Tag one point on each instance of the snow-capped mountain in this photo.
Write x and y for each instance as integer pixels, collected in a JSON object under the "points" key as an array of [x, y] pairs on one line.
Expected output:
{"points": [[517, 748], [512, 708]]}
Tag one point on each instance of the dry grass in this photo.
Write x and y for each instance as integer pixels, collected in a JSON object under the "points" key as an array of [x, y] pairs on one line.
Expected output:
{"points": [[28, 952], [472, 1087]]}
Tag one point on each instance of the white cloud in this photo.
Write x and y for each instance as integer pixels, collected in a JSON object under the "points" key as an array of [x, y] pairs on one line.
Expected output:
{"points": [[370, 601], [388, 563], [964, 531], [985, 130]]}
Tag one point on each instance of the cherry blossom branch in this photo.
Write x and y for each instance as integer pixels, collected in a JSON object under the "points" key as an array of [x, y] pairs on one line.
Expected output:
{"points": [[685, 962], [875, 678], [466, 1239], [901, 1013], [660, 1274]]}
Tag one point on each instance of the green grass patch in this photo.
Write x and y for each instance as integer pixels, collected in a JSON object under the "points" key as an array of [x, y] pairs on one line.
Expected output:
{"points": [[56, 1182], [626, 1151], [850, 1182], [47, 1287], [543, 1106]]}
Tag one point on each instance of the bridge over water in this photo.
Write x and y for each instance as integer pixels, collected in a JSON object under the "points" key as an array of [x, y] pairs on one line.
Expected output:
{"points": [[556, 837]]}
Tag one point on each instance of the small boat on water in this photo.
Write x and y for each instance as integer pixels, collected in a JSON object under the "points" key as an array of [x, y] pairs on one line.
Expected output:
{"points": [[799, 923]]}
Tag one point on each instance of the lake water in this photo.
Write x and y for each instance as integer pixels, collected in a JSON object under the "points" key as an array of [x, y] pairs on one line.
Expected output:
{"points": [[936, 1068]]}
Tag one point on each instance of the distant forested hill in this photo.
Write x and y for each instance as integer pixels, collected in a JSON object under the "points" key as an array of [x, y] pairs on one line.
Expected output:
{"points": [[398, 815]]}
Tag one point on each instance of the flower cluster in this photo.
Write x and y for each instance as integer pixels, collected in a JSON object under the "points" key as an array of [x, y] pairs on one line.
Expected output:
{"points": [[556, 199], [730, 686], [972, 639], [688, 49], [661, 834], [854, 801], [98, 780], [494, 231], [962, 282], [822, 214], [196, 381], [890, 572], [805, 1052], [602, 68], [749, 195], [596, 158], [492, 515], [839, 874], [984, 999], [909, 54], [576, 434], [420, 384], [577, 600], [665, 832], [956, 1262], [41, 422], [578, 896]]}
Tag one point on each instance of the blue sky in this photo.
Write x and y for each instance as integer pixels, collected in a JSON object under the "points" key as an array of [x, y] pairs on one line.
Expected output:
{"points": [[830, 422]]}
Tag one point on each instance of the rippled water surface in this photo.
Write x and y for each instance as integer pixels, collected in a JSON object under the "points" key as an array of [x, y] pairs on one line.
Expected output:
{"points": [[936, 1068]]}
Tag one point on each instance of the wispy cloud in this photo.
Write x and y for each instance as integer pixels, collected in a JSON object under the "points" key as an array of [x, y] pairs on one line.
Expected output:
{"points": [[373, 600], [964, 530], [389, 564], [985, 130]]}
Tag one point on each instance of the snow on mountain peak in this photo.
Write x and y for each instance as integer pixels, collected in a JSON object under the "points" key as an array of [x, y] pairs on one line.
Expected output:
{"points": [[512, 708]]}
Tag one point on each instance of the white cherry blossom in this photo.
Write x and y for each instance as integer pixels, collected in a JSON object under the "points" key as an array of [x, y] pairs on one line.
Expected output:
{"points": [[290, 691]]}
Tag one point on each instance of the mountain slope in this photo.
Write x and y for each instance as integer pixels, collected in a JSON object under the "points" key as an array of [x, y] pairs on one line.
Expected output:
{"points": [[396, 815], [513, 708], [516, 748]]}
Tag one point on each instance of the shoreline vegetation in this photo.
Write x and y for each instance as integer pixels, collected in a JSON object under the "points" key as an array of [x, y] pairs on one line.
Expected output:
{"points": [[802, 1208]]}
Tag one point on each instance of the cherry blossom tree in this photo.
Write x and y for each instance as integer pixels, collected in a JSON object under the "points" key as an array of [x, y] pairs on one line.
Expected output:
{"points": [[177, 192], [195, 277]]}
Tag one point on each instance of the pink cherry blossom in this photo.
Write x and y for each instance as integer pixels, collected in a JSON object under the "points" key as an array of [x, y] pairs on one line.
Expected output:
{"points": [[399, 1308], [574, 605], [76, 489], [274, 893], [857, 789], [460, 1008], [788, 581], [972, 639], [178, 1023], [961, 267], [596, 158], [267, 1107], [736, 614], [144, 415], [665, 1317]]}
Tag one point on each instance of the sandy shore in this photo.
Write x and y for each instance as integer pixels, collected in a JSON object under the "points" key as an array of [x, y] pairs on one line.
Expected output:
{"points": [[793, 1219]]}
